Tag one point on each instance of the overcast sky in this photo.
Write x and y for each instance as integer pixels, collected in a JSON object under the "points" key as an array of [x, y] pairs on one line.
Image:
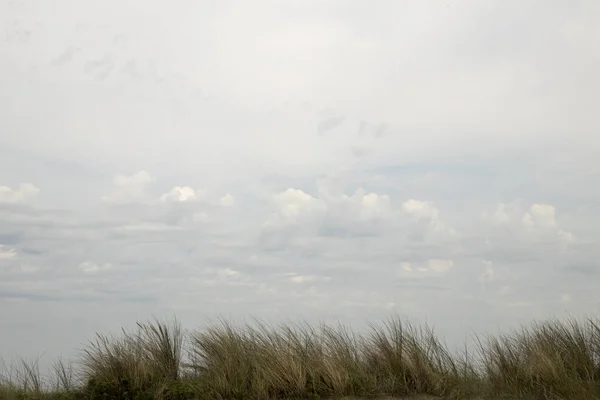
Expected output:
{"points": [[318, 160]]}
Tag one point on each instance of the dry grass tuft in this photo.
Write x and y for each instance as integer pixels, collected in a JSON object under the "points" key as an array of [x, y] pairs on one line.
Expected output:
{"points": [[295, 361], [140, 362], [547, 360], [553, 359]]}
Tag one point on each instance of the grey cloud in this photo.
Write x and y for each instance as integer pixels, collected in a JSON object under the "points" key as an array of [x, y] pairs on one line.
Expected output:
{"points": [[329, 123], [101, 68], [66, 56]]}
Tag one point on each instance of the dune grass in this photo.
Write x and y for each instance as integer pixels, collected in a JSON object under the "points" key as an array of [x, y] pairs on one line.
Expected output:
{"points": [[546, 360]]}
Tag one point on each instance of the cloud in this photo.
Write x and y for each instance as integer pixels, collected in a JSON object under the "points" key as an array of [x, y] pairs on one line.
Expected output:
{"points": [[488, 272], [228, 272], [146, 227], [200, 216], [130, 188], [293, 206], [537, 223], [540, 215], [431, 266], [328, 123], [135, 183], [23, 193], [7, 254], [301, 279], [90, 267], [180, 194], [503, 214], [422, 210], [427, 214], [406, 266], [543, 217], [329, 213], [227, 201], [438, 265]]}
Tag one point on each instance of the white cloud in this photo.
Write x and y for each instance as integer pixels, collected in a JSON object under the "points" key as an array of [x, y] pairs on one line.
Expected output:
{"points": [[539, 221], [6, 253], [130, 188], [137, 181], [540, 215], [146, 227], [200, 216], [294, 206], [505, 290], [567, 237], [439, 265], [426, 212], [180, 194], [333, 213], [421, 209], [29, 269], [432, 266], [90, 267], [543, 217], [223, 277], [23, 193], [227, 201], [300, 278], [502, 214], [227, 273], [488, 272], [372, 206]]}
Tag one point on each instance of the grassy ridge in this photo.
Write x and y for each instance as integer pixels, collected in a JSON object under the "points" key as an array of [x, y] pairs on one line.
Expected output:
{"points": [[547, 360]]}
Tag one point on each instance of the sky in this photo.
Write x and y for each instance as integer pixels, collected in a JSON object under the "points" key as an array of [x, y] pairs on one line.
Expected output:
{"points": [[324, 161]]}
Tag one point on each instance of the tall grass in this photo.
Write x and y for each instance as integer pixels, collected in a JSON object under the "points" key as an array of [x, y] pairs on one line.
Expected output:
{"points": [[546, 360], [552, 359], [142, 362], [407, 361]]}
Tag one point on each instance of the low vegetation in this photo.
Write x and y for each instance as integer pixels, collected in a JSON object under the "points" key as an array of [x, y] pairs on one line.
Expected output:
{"points": [[547, 360]]}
